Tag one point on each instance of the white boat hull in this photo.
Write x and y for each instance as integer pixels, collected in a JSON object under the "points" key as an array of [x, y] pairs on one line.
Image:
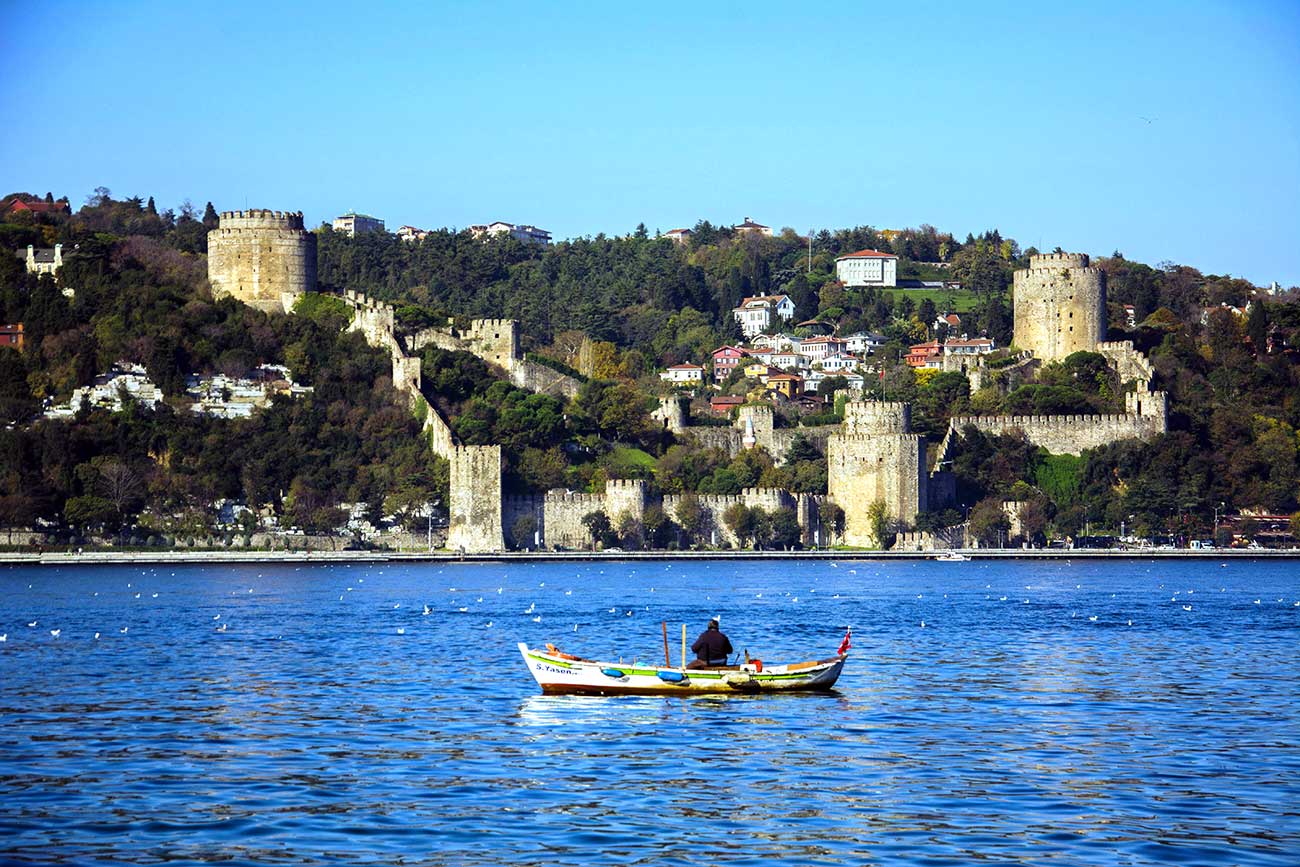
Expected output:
{"points": [[561, 674]]}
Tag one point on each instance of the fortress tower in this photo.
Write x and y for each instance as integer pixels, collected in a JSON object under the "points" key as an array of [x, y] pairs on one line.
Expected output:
{"points": [[263, 258], [876, 458], [1059, 304]]}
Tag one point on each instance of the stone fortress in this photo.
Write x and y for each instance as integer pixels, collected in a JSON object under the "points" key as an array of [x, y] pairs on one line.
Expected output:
{"points": [[1059, 306], [1059, 303], [267, 260]]}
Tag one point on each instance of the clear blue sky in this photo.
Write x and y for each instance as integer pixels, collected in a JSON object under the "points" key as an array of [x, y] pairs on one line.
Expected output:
{"points": [[1168, 131]]}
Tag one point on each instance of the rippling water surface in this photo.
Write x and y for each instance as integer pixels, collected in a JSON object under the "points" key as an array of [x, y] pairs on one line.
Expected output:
{"points": [[1061, 713]]}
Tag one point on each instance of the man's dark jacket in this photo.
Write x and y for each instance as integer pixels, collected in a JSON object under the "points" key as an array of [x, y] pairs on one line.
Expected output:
{"points": [[711, 646]]}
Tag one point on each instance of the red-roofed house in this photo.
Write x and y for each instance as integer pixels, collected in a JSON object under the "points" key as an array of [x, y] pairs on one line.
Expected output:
{"points": [[723, 404], [36, 206], [817, 348], [973, 346], [951, 321], [681, 374], [725, 359], [867, 268], [12, 335], [681, 236], [928, 354]]}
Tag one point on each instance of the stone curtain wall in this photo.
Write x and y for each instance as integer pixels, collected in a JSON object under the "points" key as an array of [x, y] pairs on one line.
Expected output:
{"points": [[263, 258], [376, 322], [1059, 305], [496, 341], [1130, 364], [1073, 434], [775, 440]]}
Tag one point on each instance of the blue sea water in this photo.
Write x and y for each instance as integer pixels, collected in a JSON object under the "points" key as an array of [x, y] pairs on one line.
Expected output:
{"points": [[991, 712]]}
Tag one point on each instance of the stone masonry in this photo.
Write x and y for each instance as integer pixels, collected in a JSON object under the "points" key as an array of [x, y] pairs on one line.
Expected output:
{"points": [[1059, 303], [263, 258], [876, 459]]}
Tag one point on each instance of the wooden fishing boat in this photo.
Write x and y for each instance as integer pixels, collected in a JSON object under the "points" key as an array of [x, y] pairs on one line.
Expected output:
{"points": [[560, 673]]}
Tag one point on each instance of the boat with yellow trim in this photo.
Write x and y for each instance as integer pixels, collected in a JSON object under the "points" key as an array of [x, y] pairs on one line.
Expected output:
{"points": [[560, 673]]}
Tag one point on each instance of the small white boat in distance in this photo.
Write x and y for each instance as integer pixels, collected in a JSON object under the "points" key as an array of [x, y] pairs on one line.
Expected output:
{"points": [[559, 673], [952, 557]]}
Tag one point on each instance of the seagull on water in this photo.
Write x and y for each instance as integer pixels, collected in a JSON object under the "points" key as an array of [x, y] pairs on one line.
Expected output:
{"points": [[401, 631], [4, 638], [124, 629], [426, 611], [537, 619], [463, 609], [221, 628], [97, 636], [1187, 608], [32, 625], [55, 632], [488, 625], [216, 617]]}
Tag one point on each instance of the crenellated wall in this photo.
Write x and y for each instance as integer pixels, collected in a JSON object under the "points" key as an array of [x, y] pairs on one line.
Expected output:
{"points": [[714, 506], [625, 499], [496, 341], [776, 441], [263, 258], [562, 514], [1131, 365], [1072, 434]]}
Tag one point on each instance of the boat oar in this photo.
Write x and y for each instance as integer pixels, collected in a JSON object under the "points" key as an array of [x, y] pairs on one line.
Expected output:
{"points": [[668, 660]]}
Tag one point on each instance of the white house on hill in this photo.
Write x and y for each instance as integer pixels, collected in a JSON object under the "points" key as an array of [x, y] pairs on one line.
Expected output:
{"points": [[755, 314], [867, 268]]}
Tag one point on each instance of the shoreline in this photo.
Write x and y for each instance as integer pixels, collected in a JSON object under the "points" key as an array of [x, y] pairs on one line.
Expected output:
{"points": [[91, 558]]}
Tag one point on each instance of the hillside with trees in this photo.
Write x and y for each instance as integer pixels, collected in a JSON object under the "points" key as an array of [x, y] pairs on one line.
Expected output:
{"points": [[616, 310]]}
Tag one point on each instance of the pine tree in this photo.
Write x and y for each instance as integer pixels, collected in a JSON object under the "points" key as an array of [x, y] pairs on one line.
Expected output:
{"points": [[210, 218], [151, 208]]}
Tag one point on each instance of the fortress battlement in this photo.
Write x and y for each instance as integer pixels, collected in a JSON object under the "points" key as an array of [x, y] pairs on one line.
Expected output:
{"points": [[557, 496], [1058, 260], [1115, 346], [260, 218], [875, 417], [263, 258]]}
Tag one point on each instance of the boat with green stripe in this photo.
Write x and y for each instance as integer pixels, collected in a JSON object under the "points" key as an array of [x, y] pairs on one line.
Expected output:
{"points": [[560, 673]]}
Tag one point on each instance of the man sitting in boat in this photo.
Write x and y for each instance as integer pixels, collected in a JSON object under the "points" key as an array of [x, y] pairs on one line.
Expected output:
{"points": [[711, 649]]}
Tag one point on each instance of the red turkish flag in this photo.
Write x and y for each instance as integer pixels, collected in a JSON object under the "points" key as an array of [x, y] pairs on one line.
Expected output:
{"points": [[846, 643]]}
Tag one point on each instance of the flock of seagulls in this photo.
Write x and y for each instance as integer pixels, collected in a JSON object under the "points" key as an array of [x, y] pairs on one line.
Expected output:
{"points": [[1182, 598]]}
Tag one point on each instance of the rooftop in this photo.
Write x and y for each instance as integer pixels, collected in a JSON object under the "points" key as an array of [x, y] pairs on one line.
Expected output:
{"points": [[866, 254]]}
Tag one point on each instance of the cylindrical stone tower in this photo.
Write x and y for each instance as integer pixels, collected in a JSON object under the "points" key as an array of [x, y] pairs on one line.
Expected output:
{"points": [[1059, 304], [263, 258]]}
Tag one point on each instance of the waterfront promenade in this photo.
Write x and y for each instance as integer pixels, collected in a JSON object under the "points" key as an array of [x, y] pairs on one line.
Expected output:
{"points": [[101, 557]]}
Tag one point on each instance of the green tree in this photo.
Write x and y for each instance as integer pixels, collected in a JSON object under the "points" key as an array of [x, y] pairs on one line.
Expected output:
{"points": [[522, 531], [878, 519]]}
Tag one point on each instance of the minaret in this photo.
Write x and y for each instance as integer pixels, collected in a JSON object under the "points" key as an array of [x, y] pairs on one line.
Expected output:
{"points": [[749, 440]]}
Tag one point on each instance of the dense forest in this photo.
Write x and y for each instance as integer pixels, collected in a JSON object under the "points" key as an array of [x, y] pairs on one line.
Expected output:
{"points": [[617, 309]]}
